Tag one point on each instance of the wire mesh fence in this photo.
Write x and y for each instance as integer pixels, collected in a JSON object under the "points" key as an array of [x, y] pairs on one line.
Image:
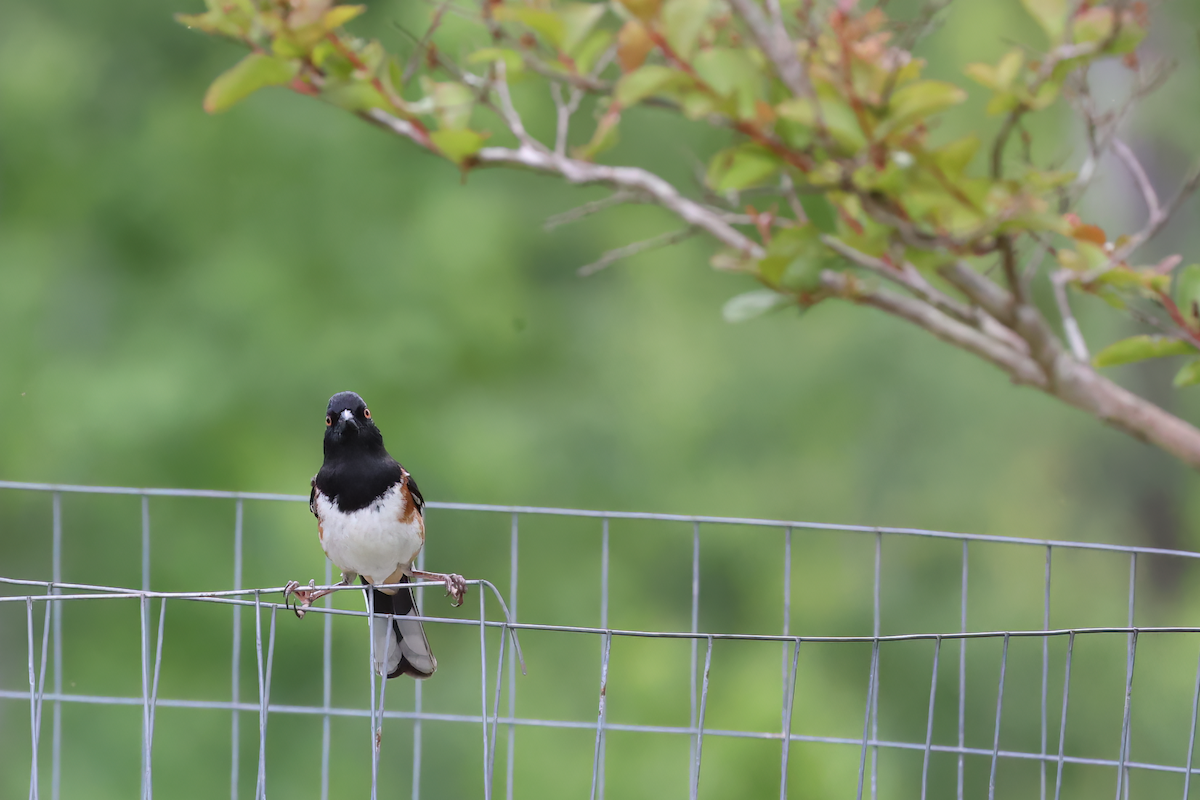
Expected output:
{"points": [[901, 663]]}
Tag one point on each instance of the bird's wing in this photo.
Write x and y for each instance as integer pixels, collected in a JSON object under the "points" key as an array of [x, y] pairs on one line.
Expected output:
{"points": [[417, 499], [312, 498]]}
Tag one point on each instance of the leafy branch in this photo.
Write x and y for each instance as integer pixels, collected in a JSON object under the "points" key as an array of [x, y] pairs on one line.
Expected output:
{"points": [[831, 130]]}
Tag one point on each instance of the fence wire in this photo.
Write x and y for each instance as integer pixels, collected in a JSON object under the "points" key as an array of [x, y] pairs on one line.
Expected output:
{"points": [[45, 600]]}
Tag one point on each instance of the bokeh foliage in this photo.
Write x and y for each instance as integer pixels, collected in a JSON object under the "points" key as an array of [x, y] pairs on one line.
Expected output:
{"points": [[181, 294]]}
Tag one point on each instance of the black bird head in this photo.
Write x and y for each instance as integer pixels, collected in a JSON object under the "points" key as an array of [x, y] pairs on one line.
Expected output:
{"points": [[349, 427]]}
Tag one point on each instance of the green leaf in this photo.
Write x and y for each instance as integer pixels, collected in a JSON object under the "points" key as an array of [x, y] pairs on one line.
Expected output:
{"points": [[578, 19], [683, 20], [452, 104], [546, 24], [1187, 294], [795, 258], [1140, 348], [234, 24], [955, 156], [603, 138], [752, 304], [1188, 376], [819, 211], [1051, 15], [646, 81], [458, 144], [740, 167], [1007, 69], [338, 16], [732, 75], [838, 117], [355, 96], [588, 52], [247, 76], [983, 74], [917, 101], [513, 63]]}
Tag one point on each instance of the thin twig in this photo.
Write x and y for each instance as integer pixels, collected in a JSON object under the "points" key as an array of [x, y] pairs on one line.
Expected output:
{"points": [[1126, 154], [587, 209], [662, 240], [788, 187], [507, 110], [1079, 348], [564, 109], [414, 60]]}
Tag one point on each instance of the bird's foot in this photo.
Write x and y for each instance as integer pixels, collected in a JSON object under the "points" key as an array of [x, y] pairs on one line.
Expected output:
{"points": [[456, 587], [304, 596]]}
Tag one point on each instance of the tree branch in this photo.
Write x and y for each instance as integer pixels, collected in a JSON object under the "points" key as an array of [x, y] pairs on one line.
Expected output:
{"points": [[634, 179], [774, 41], [1020, 367], [1072, 382]]}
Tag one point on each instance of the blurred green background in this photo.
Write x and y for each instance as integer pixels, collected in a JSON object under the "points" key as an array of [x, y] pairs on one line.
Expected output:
{"points": [[180, 294]]}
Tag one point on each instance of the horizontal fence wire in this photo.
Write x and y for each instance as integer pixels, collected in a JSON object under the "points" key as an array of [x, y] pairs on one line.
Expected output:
{"points": [[43, 601]]}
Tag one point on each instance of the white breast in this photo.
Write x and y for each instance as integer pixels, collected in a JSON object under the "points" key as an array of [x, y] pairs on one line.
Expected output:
{"points": [[372, 541]]}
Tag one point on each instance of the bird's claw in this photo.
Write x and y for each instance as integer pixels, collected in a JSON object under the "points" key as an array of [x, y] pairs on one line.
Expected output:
{"points": [[456, 587], [292, 589]]}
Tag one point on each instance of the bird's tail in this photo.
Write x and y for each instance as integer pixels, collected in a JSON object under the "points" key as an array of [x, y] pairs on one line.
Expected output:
{"points": [[401, 647]]}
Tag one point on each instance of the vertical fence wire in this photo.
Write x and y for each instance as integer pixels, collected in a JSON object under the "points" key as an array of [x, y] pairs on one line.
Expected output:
{"points": [[153, 704], [487, 787], [606, 649], [933, 678], [1062, 723], [265, 668], [510, 752], [491, 754], [36, 694], [370, 596], [599, 793], [144, 613], [962, 673], [788, 685], [418, 690], [326, 683], [999, 709], [56, 577], [235, 679], [1123, 780], [1045, 671], [789, 702], [694, 644], [700, 721], [862, 757], [1187, 772], [875, 628], [33, 712], [1123, 756]]}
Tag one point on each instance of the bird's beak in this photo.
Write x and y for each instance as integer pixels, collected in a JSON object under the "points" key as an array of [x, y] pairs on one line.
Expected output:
{"points": [[346, 423]]}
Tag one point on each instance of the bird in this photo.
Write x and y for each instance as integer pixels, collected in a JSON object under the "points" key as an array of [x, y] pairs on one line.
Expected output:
{"points": [[371, 525]]}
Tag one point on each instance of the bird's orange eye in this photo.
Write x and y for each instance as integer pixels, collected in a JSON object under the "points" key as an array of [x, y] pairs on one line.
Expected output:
{"points": [[328, 420], [367, 413]]}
